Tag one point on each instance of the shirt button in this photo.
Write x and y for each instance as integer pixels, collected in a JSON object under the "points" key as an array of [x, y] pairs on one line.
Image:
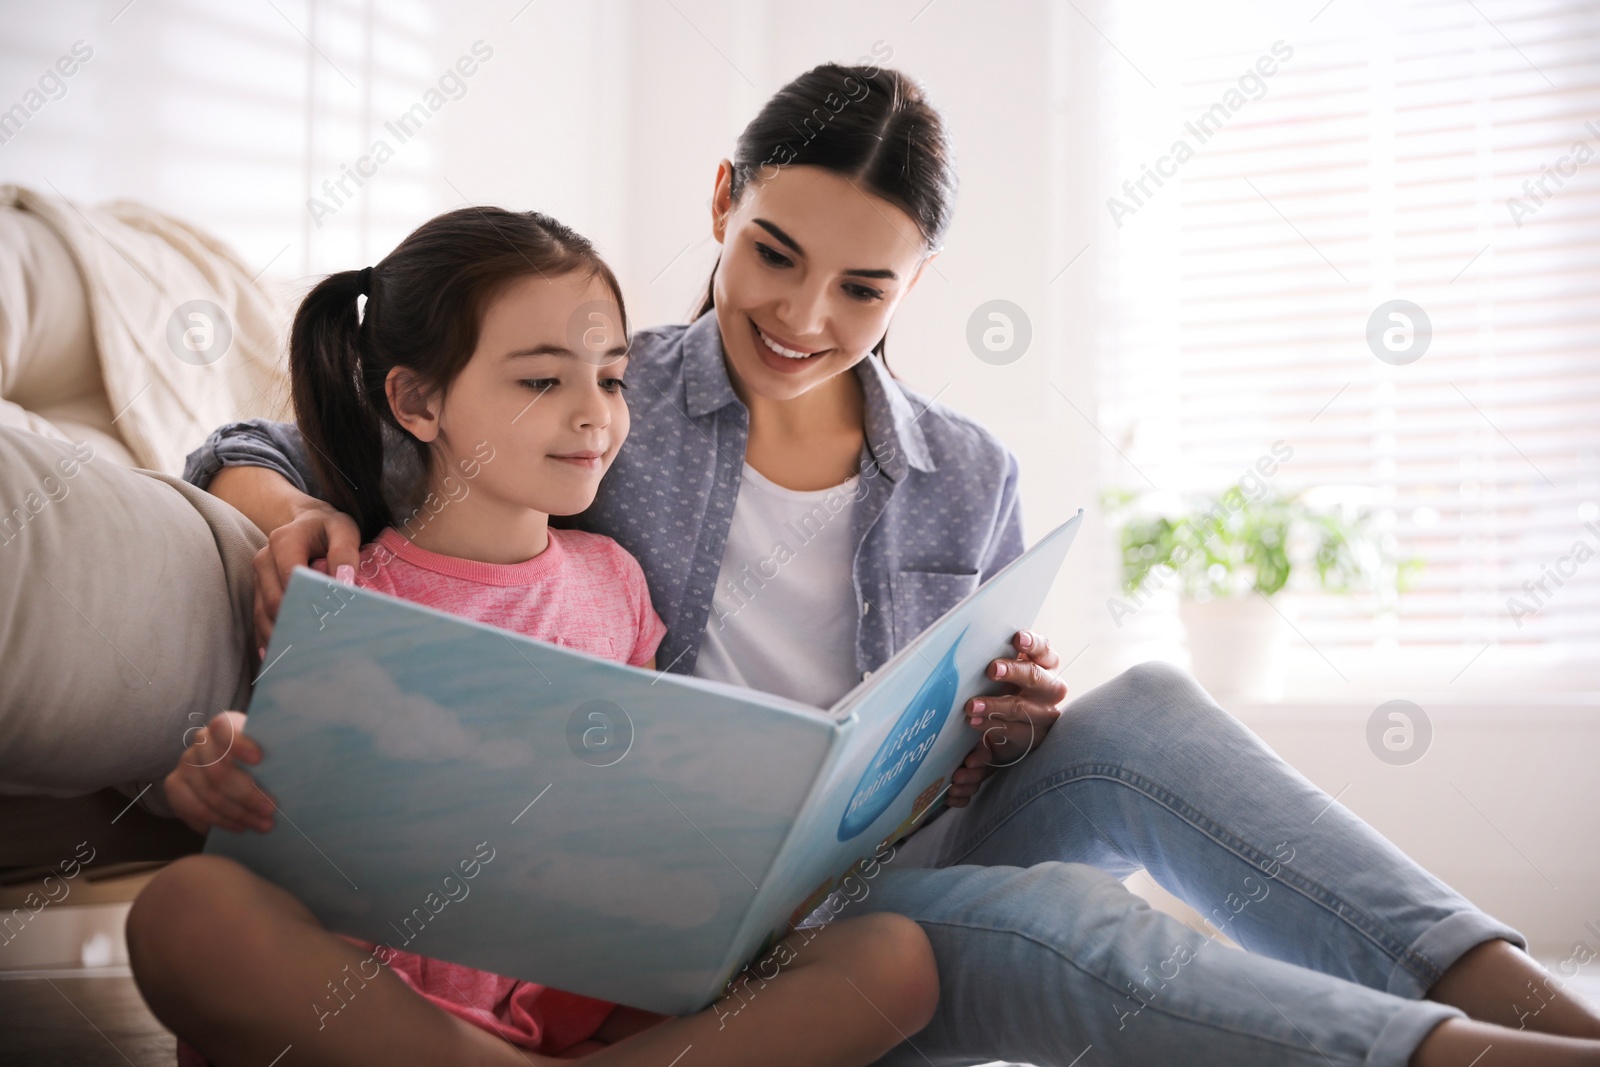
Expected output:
{"points": [[865, 675], [865, 607]]}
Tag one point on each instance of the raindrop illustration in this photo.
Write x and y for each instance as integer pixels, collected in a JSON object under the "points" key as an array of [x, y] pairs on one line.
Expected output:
{"points": [[908, 744]]}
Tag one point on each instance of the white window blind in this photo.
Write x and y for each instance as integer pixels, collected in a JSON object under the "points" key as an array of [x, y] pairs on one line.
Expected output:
{"points": [[1385, 160], [233, 116]]}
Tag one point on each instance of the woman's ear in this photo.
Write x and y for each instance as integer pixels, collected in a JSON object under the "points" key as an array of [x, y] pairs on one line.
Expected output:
{"points": [[414, 407], [722, 200], [917, 275]]}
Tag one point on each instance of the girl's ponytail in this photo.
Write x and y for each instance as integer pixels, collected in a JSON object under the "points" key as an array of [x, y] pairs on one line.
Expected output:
{"points": [[425, 303], [334, 403]]}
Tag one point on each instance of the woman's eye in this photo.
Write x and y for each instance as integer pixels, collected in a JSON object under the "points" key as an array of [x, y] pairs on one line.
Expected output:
{"points": [[614, 385], [771, 256], [864, 293], [541, 385]]}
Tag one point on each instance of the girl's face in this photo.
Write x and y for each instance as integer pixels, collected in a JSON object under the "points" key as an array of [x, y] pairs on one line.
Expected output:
{"points": [[812, 269], [536, 417]]}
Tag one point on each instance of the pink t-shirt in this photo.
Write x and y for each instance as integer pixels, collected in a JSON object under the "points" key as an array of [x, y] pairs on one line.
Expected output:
{"points": [[584, 592]]}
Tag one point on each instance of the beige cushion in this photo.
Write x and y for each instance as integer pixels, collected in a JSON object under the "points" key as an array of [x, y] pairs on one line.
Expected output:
{"points": [[125, 615], [50, 379], [144, 275]]}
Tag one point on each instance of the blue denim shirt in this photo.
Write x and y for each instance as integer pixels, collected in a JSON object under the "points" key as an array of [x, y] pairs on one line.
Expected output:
{"points": [[938, 514]]}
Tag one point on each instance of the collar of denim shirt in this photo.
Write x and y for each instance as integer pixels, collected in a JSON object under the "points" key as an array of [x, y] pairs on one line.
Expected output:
{"points": [[893, 436]]}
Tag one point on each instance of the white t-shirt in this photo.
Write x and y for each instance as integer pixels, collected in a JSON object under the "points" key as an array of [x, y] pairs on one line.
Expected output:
{"points": [[784, 615]]}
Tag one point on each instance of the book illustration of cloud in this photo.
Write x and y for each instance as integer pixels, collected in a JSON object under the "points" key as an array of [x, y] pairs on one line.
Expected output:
{"points": [[400, 725]]}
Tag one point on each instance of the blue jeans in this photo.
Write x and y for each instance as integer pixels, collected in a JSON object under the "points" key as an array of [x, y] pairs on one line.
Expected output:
{"points": [[1046, 958]]}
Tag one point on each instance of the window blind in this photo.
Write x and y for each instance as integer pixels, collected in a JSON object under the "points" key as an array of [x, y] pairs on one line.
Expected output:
{"points": [[1450, 159]]}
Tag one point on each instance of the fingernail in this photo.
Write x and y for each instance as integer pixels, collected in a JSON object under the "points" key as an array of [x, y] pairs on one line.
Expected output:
{"points": [[977, 707], [1025, 640], [345, 574], [975, 721], [999, 670], [261, 653]]}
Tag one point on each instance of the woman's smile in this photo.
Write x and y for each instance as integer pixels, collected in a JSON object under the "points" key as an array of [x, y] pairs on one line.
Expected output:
{"points": [[781, 357]]}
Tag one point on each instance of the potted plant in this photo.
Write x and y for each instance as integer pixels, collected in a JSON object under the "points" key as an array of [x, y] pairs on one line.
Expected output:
{"points": [[1229, 556]]}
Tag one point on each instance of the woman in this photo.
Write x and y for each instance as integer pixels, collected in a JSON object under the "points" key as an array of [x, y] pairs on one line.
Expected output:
{"points": [[778, 395]]}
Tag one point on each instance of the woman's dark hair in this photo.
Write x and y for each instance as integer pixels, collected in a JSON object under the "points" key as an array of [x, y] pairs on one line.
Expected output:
{"points": [[425, 304], [869, 124]]}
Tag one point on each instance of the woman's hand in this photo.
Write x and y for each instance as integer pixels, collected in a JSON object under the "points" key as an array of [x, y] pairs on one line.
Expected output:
{"points": [[316, 530], [208, 787], [1013, 723]]}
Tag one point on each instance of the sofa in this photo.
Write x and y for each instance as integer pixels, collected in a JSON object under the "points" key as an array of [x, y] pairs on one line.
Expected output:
{"points": [[125, 594]]}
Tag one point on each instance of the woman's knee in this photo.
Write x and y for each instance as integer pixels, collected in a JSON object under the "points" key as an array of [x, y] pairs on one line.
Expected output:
{"points": [[1135, 705], [1156, 685]]}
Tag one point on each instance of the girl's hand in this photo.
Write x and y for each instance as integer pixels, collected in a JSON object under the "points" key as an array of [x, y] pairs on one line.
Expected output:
{"points": [[1013, 723], [316, 530], [208, 787]]}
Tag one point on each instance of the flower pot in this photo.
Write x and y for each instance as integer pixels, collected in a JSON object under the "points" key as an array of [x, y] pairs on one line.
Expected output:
{"points": [[1236, 646]]}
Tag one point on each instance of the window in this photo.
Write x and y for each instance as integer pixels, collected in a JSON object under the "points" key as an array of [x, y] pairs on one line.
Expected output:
{"points": [[240, 117], [1451, 159]]}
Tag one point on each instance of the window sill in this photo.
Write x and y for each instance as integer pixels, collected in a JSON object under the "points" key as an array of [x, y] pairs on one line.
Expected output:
{"points": [[1439, 705]]}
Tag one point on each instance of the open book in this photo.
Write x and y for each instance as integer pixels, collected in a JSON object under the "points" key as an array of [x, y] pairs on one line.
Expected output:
{"points": [[465, 793]]}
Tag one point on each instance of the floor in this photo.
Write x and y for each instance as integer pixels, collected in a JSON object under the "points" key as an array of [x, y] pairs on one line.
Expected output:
{"points": [[102, 1022], [80, 1022], [67, 999]]}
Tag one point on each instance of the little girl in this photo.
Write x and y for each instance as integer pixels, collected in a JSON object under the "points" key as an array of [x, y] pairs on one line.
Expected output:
{"points": [[495, 343]]}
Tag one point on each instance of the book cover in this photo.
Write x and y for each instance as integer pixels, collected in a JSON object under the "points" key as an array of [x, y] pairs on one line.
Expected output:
{"points": [[469, 794]]}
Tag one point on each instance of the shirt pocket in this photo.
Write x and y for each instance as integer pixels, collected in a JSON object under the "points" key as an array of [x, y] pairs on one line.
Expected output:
{"points": [[921, 597]]}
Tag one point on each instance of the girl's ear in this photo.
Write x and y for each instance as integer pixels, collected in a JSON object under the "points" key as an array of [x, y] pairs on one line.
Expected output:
{"points": [[722, 200], [413, 406]]}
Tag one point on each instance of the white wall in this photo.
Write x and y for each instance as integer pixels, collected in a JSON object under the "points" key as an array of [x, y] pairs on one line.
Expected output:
{"points": [[611, 116]]}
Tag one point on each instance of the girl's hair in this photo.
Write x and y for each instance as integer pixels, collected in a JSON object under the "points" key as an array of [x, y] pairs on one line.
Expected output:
{"points": [[869, 124], [425, 303]]}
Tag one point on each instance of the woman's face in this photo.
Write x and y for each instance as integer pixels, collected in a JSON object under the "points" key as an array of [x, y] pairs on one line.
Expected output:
{"points": [[812, 269]]}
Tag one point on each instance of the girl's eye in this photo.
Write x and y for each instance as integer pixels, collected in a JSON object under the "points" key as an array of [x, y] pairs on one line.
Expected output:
{"points": [[864, 293], [614, 385], [541, 385], [771, 256]]}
